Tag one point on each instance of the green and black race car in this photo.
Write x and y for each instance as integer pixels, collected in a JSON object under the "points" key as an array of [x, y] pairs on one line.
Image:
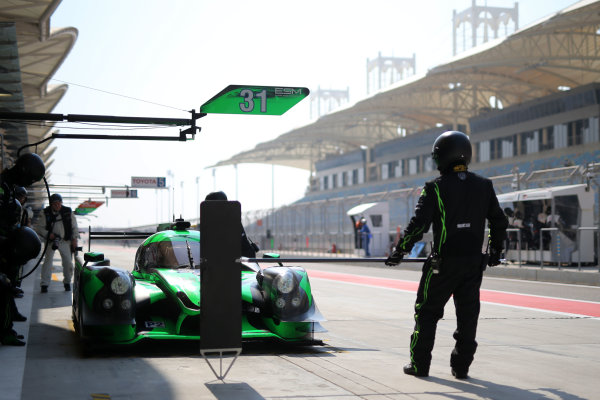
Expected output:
{"points": [[160, 298]]}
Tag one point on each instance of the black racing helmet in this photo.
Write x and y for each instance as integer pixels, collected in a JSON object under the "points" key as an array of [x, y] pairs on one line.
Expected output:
{"points": [[20, 191], [23, 245], [28, 169], [451, 148], [14, 210], [220, 195]]}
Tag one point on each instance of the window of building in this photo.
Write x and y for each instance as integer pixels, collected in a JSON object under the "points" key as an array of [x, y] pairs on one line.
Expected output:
{"points": [[483, 154], [546, 139], [508, 147], [530, 142], [384, 171], [492, 149], [355, 180], [373, 173], [428, 164], [499, 148], [575, 132], [399, 172], [413, 166], [325, 182], [560, 136], [392, 169], [591, 133]]}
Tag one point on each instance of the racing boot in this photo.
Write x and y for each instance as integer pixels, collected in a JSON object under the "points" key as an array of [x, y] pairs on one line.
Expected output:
{"points": [[11, 339], [460, 374], [16, 334], [18, 317], [67, 287], [461, 360], [412, 369]]}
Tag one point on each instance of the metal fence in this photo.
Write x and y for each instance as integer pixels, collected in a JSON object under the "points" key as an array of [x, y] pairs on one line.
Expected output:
{"points": [[323, 225], [549, 251]]}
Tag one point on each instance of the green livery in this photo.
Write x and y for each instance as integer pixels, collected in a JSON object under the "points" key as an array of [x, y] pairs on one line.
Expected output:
{"points": [[160, 298]]}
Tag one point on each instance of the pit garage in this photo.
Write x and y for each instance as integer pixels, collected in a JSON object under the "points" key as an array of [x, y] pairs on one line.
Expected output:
{"points": [[551, 225]]}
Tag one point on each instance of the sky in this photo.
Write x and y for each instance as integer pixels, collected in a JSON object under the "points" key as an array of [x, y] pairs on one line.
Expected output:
{"points": [[163, 59]]}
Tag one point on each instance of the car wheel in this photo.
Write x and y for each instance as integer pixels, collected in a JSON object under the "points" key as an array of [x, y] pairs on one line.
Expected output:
{"points": [[78, 325]]}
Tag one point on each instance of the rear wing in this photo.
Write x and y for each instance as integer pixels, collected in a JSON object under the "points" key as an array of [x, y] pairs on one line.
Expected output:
{"points": [[115, 235], [179, 224]]}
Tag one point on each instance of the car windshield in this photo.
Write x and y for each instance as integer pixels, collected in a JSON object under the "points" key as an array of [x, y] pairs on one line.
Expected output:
{"points": [[169, 254]]}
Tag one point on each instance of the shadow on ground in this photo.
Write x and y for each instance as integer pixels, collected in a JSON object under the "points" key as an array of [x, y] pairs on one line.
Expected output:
{"points": [[491, 390]]}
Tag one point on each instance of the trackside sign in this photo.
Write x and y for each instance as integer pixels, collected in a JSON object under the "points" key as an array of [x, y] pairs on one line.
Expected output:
{"points": [[124, 194], [148, 182], [257, 100]]}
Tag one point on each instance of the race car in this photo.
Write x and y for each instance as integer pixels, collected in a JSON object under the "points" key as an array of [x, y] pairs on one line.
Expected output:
{"points": [[160, 297]]}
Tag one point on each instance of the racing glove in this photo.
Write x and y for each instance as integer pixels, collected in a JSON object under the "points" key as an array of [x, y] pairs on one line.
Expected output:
{"points": [[394, 259], [494, 257]]}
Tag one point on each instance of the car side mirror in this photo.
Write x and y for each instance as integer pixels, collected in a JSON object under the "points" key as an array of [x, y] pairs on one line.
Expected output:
{"points": [[271, 255]]}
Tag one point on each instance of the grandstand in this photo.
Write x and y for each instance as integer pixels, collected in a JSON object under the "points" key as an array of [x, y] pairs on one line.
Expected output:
{"points": [[31, 52], [529, 101]]}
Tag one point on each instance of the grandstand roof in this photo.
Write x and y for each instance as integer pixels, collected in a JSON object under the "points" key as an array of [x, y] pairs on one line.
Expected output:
{"points": [[30, 54], [559, 52]]}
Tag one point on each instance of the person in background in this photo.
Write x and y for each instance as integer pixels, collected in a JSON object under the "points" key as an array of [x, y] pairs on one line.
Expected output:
{"points": [[511, 240], [365, 234], [249, 248], [26, 211], [59, 228], [396, 239]]}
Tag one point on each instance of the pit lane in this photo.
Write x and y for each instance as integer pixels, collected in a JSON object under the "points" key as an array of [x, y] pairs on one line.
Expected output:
{"points": [[524, 352]]}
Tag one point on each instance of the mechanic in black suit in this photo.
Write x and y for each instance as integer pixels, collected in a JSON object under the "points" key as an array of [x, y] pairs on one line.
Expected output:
{"points": [[249, 248], [17, 244], [457, 203]]}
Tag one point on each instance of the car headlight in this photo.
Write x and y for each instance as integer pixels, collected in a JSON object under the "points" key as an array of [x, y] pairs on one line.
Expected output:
{"points": [[107, 304], [296, 301], [285, 282], [126, 304], [280, 302], [119, 285]]}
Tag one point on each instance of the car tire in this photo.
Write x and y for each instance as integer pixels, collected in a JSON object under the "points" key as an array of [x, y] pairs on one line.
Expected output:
{"points": [[79, 324]]}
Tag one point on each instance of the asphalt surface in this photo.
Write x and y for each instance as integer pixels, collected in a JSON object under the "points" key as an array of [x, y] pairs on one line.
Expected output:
{"points": [[537, 340]]}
